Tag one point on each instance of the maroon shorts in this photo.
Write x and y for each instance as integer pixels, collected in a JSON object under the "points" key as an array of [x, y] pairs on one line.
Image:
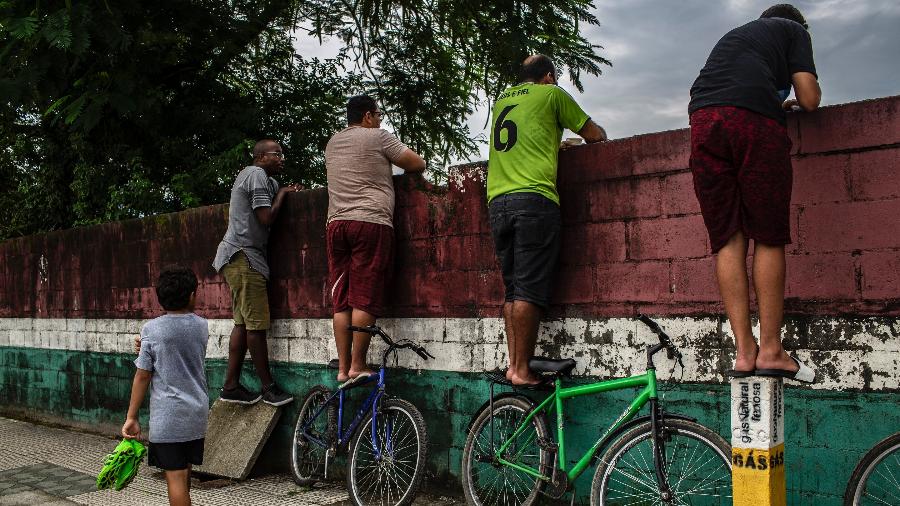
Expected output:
{"points": [[741, 163], [360, 262]]}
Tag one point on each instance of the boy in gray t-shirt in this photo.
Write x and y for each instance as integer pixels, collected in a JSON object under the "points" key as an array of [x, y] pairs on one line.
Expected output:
{"points": [[171, 363]]}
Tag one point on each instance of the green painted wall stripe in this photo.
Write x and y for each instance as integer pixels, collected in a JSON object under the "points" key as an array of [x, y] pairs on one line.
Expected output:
{"points": [[826, 431]]}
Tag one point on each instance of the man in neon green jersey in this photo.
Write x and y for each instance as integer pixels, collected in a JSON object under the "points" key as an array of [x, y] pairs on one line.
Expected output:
{"points": [[527, 126]]}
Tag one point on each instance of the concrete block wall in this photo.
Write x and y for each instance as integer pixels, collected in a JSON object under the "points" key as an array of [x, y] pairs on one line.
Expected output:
{"points": [[633, 241], [633, 238]]}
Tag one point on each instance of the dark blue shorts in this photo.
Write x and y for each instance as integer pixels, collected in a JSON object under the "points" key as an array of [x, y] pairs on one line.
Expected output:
{"points": [[526, 232], [175, 456]]}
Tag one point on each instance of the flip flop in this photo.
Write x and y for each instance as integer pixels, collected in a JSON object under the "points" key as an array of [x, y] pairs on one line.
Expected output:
{"points": [[803, 375], [734, 373], [497, 376], [352, 381]]}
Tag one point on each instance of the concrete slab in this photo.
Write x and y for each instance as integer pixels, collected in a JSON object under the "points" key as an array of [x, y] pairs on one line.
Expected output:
{"points": [[235, 437]]}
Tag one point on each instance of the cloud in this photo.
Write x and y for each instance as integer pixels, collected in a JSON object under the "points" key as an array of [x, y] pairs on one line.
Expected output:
{"points": [[658, 47]]}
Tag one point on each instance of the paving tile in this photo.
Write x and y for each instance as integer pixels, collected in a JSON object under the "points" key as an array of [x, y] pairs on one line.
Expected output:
{"points": [[65, 463], [128, 496], [33, 498]]}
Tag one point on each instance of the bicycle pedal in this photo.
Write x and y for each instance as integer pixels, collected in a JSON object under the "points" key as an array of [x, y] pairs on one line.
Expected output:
{"points": [[328, 455], [558, 485]]}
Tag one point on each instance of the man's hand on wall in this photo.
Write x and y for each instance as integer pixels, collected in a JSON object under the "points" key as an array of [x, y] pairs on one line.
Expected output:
{"points": [[291, 188], [791, 105], [137, 344]]}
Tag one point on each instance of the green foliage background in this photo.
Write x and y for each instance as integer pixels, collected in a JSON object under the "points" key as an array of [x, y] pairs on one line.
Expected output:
{"points": [[118, 109]]}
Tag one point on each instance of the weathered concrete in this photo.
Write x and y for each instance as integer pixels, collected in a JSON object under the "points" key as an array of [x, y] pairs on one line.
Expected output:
{"points": [[71, 301], [235, 437], [821, 457], [849, 353], [33, 498]]}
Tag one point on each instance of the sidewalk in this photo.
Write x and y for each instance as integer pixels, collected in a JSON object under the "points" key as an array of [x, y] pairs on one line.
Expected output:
{"points": [[41, 465]]}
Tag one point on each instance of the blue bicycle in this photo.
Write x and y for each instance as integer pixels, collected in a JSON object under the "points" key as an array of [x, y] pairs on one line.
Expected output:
{"points": [[387, 440]]}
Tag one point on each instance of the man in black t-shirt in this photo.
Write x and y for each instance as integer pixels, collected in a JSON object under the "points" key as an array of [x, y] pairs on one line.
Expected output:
{"points": [[740, 160]]}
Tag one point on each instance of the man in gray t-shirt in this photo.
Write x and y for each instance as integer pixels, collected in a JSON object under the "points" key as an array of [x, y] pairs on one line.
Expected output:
{"points": [[241, 258]]}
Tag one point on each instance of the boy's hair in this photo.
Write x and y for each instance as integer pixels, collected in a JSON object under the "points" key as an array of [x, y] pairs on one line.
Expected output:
{"points": [[535, 67], [175, 286], [358, 106], [785, 11]]}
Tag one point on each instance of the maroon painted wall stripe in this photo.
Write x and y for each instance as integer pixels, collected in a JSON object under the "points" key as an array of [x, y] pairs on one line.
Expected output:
{"points": [[633, 238]]}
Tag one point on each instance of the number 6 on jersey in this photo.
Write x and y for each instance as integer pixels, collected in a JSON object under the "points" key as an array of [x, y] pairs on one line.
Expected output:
{"points": [[508, 125]]}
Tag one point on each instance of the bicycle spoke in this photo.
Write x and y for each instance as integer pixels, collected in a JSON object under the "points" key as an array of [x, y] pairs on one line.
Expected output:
{"points": [[386, 476], [888, 487], [697, 472], [501, 485]]}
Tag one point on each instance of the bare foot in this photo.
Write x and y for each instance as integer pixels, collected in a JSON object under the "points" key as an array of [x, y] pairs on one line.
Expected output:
{"points": [[525, 380], [509, 374], [778, 360], [354, 373], [342, 377], [746, 361]]}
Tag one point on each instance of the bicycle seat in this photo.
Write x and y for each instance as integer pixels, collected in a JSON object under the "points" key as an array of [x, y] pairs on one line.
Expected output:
{"points": [[561, 366]]}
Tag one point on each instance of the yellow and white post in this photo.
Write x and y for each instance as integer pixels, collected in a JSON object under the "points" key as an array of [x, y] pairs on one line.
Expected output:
{"points": [[757, 441]]}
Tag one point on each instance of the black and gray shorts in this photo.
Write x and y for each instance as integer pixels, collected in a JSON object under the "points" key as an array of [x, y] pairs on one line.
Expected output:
{"points": [[175, 456], [526, 232]]}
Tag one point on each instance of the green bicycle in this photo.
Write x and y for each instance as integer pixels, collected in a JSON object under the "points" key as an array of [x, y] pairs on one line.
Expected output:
{"points": [[510, 457]]}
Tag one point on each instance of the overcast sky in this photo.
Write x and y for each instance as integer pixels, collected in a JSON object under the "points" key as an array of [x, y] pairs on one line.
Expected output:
{"points": [[657, 47]]}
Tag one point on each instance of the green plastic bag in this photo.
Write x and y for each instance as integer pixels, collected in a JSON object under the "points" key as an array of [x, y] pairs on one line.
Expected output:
{"points": [[121, 466]]}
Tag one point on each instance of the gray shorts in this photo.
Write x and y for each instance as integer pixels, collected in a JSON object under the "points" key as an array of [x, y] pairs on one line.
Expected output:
{"points": [[526, 232]]}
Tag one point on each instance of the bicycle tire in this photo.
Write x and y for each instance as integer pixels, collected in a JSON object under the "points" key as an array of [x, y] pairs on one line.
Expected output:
{"points": [[411, 440], [869, 473], [506, 412], [308, 459], [628, 464]]}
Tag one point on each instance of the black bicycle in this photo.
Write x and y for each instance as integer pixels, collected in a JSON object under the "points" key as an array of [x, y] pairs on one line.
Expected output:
{"points": [[386, 441], [876, 479]]}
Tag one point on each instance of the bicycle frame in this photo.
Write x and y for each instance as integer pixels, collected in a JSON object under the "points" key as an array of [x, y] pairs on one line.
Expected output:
{"points": [[555, 401], [371, 403]]}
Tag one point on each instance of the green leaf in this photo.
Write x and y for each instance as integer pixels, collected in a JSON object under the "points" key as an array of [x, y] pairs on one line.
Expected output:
{"points": [[55, 105], [56, 31], [73, 110], [21, 28]]}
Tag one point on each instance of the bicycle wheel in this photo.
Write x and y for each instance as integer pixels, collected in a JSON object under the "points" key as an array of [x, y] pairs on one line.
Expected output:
{"points": [[307, 457], [697, 460], [876, 479], [489, 483], [393, 478]]}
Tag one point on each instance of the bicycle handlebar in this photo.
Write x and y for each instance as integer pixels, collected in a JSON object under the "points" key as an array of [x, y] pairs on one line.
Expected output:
{"points": [[376, 330], [664, 339]]}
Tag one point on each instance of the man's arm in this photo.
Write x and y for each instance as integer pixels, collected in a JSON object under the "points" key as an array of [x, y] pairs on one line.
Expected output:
{"points": [[410, 161], [132, 428], [267, 215], [592, 132], [807, 91]]}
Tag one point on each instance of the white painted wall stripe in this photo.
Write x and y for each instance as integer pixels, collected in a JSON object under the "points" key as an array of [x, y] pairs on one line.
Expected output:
{"points": [[864, 354]]}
